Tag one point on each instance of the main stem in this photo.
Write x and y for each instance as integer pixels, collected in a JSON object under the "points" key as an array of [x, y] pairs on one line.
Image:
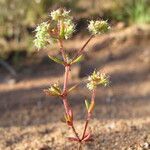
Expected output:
{"points": [[65, 101], [64, 97], [88, 115], [66, 78]]}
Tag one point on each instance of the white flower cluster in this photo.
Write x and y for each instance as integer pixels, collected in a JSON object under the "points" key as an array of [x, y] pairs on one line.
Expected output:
{"points": [[66, 24], [96, 79], [60, 26], [42, 35], [98, 27], [60, 14]]}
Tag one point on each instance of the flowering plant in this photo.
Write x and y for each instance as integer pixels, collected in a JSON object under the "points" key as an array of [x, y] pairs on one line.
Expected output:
{"points": [[60, 27]]}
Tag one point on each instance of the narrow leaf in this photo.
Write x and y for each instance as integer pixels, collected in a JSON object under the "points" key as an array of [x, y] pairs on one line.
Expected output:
{"points": [[62, 30], [57, 90], [57, 60], [72, 88], [49, 93], [91, 107], [87, 104], [78, 59], [87, 137]]}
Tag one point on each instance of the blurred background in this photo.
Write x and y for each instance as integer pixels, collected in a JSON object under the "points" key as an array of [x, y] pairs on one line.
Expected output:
{"points": [[123, 53]]}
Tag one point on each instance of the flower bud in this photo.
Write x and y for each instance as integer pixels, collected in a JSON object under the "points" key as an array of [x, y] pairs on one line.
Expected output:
{"points": [[42, 35], [98, 27], [96, 79]]}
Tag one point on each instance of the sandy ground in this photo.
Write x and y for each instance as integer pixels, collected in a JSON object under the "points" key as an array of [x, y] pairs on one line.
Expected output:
{"points": [[31, 121]]}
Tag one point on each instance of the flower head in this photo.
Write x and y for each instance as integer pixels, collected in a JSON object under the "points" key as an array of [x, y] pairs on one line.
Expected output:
{"points": [[96, 79], [67, 28], [64, 23], [60, 14], [42, 35], [98, 27]]}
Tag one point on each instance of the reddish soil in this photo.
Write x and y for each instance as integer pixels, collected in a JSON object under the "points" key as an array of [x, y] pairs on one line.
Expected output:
{"points": [[31, 121]]}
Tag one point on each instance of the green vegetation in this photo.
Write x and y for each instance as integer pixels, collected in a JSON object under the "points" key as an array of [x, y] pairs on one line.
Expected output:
{"points": [[132, 11], [18, 19], [138, 11]]}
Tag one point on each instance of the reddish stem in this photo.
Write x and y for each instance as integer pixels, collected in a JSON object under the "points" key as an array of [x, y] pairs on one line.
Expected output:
{"points": [[66, 105], [67, 69], [76, 134], [81, 50], [65, 101], [88, 115], [62, 50], [64, 94]]}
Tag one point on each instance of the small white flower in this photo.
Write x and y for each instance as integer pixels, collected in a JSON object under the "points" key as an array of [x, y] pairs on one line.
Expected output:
{"points": [[60, 14], [96, 79], [67, 29], [98, 27], [56, 14], [42, 35]]}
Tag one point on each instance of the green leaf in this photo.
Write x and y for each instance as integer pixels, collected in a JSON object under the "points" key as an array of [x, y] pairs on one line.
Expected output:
{"points": [[57, 60], [72, 88], [91, 107], [62, 32], [54, 93], [78, 59], [87, 104], [51, 93], [57, 90]]}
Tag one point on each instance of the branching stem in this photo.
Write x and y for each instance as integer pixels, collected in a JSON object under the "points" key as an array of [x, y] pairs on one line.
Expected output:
{"points": [[82, 48], [66, 78], [65, 98], [88, 115]]}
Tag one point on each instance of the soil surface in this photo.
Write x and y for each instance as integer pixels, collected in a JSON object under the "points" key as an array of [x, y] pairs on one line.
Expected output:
{"points": [[29, 120]]}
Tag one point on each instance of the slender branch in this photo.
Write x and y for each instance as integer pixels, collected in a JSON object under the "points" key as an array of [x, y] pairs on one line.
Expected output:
{"points": [[67, 69], [85, 127], [88, 115], [82, 49], [76, 134], [62, 50]]}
